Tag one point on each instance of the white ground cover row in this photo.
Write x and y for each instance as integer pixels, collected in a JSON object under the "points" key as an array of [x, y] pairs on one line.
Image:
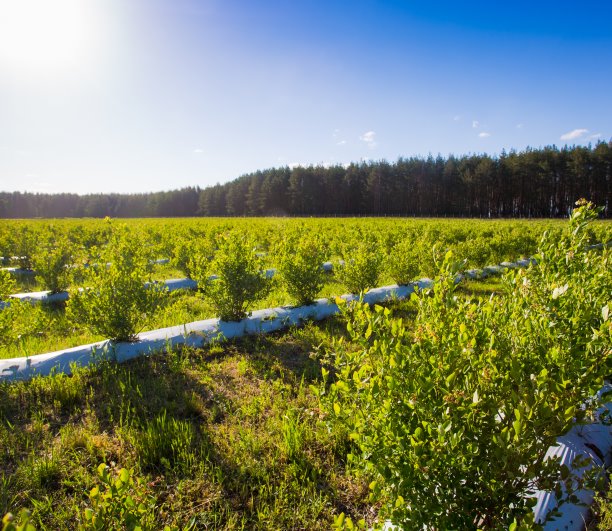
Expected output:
{"points": [[171, 284], [194, 334], [592, 440], [187, 283], [19, 271]]}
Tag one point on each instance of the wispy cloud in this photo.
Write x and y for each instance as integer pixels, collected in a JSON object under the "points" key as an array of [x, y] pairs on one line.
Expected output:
{"points": [[475, 124], [341, 143], [594, 136], [198, 150], [484, 134], [576, 133], [369, 138]]}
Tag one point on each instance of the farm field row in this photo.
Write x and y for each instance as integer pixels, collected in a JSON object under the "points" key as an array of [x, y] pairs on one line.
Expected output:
{"points": [[383, 413], [385, 251]]}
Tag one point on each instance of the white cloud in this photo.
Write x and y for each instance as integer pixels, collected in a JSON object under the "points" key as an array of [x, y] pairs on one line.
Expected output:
{"points": [[594, 137], [198, 150], [576, 133], [341, 143], [296, 165], [475, 123], [484, 134], [369, 138], [456, 118]]}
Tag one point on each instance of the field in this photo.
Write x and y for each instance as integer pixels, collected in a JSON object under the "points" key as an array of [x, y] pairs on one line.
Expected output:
{"points": [[379, 413], [63, 247]]}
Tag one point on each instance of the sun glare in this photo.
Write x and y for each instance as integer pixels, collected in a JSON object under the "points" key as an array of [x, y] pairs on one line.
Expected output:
{"points": [[45, 34]]}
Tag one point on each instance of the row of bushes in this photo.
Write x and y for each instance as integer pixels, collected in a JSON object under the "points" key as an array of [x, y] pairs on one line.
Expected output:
{"points": [[116, 303], [57, 265]]}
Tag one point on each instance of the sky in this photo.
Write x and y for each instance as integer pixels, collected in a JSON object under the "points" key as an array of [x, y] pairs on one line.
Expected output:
{"points": [[145, 95]]}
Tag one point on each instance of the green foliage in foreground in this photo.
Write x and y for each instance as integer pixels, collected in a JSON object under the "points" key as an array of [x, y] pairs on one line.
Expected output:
{"points": [[603, 503], [455, 416], [118, 503], [116, 303]]}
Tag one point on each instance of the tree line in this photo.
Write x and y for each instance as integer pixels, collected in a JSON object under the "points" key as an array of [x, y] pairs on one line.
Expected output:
{"points": [[541, 182]]}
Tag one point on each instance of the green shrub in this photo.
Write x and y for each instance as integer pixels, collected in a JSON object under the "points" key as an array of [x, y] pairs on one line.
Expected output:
{"points": [[361, 269], [7, 285], [403, 262], [120, 502], [23, 245], [20, 320], [476, 252], [603, 507], [453, 417], [51, 264], [300, 262], [116, 302], [187, 251], [240, 280]]}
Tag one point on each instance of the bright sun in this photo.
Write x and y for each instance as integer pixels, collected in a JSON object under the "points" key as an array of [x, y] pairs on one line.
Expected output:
{"points": [[45, 34]]}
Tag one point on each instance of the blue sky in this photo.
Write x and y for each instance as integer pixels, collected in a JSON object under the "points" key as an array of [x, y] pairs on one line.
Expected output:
{"points": [[145, 95]]}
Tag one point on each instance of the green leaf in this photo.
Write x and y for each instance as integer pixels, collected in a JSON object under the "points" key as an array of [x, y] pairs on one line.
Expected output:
{"points": [[124, 475]]}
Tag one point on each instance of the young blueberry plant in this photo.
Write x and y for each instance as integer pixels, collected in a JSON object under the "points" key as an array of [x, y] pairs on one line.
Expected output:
{"points": [[187, 251], [453, 415], [361, 268], [7, 285], [117, 301], [119, 502], [52, 265], [403, 262], [18, 319], [300, 261], [239, 282]]}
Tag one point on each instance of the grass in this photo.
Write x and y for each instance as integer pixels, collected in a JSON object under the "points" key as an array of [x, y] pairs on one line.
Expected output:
{"points": [[228, 437]]}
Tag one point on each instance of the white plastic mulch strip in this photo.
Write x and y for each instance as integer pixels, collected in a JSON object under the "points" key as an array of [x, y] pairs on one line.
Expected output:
{"points": [[593, 441], [194, 334], [18, 271], [171, 284]]}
